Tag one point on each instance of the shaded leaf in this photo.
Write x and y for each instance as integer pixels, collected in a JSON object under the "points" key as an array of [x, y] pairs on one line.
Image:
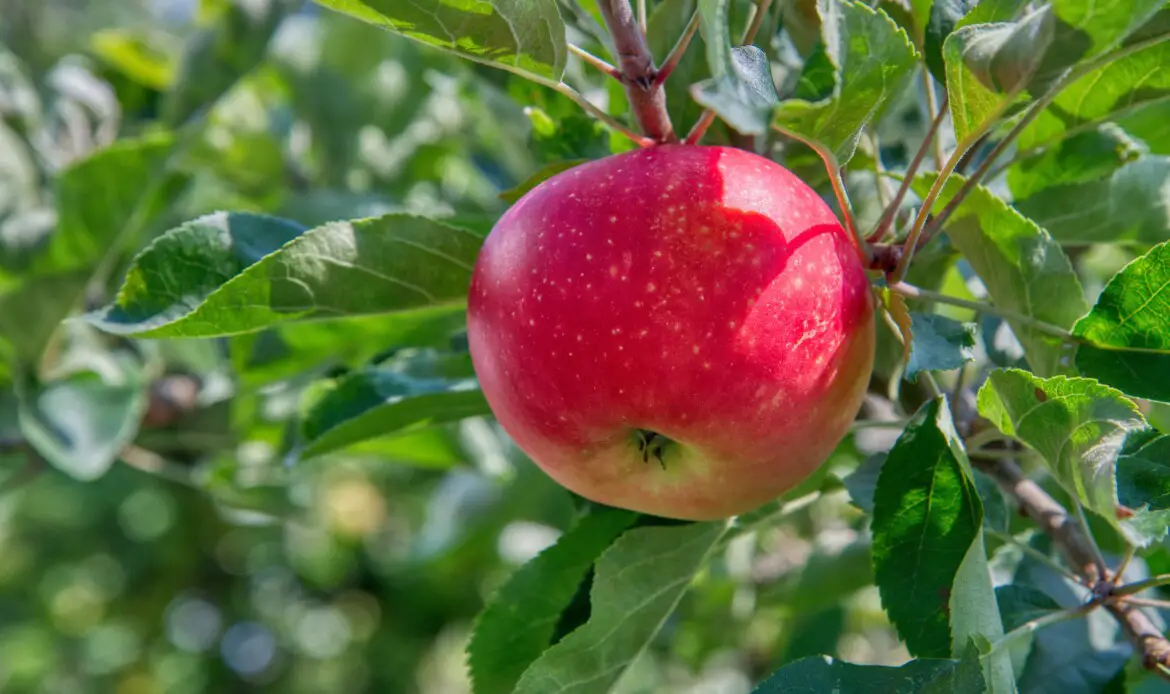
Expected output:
{"points": [[1143, 486], [1023, 268], [1129, 203], [518, 622], [374, 403], [525, 36], [1077, 425], [1086, 157], [80, 424], [226, 274], [1019, 604], [862, 483], [939, 344], [638, 581], [872, 59], [1129, 329], [740, 90], [820, 674]]}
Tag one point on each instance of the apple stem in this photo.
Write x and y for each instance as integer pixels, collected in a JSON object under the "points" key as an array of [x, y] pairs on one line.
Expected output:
{"points": [[647, 97]]}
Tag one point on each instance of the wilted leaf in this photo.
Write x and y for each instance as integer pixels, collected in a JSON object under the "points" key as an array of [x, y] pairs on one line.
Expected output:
{"points": [[1025, 271], [1129, 328], [518, 622], [636, 585], [1077, 425], [873, 59], [939, 344], [226, 274], [525, 36]]}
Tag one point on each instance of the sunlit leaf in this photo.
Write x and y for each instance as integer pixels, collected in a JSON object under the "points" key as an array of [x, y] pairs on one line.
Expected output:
{"points": [[637, 583], [519, 620], [226, 274], [521, 35], [872, 59], [1143, 486], [1129, 329]]}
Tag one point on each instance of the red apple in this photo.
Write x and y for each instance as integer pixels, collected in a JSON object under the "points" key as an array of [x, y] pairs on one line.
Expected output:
{"points": [[683, 331]]}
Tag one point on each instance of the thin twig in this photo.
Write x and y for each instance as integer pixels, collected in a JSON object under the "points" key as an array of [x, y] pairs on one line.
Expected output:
{"points": [[647, 99], [1149, 602], [699, 129], [908, 179], [1119, 571], [599, 113], [1034, 554], [596, 62], [1098, 558], [680, 48], [1054, 520], [760, 8], [935, 112], [1030, 115], [879, 171], [913, 292]]}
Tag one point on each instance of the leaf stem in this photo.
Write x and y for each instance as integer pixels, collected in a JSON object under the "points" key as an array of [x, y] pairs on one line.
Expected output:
{"points": [[598, 113], [643, 23], [1150, 602], [925, 294], [647, 98], [1083, 520], [883, 224], [596, 62], [1049, 619], [699, 129], [1142, 585], [678, 51]]}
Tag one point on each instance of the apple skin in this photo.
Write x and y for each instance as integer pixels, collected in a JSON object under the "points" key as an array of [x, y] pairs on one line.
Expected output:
{"points": [[703, 299]]}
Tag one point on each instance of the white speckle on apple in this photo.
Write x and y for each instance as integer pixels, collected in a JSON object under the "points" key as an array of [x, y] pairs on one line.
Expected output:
{"points": [[651, 287], [613, 270]]}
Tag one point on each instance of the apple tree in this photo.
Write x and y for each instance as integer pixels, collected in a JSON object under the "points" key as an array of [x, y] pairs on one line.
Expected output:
{"points": [[768, 308]]}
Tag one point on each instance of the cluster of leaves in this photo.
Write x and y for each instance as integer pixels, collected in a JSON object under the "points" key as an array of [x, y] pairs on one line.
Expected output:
{"points": [[1039, 301]]}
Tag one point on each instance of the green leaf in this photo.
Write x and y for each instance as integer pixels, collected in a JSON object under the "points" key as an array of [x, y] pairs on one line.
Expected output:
{"points": [[872, 58], [929, 560], [543, 174], [1129, 328], [638, 581], [1019, 604], [1143, 486], [380, 402], [518, 622], [820, 674], [1129, 203], [1088, 29], [1085, 157], [219, 54], [945, 16], [136, 55], [81, 424], [30, 313], [740, 90], [1101, 95], [939, 344], [524, 36], [1076, 425], [227, 274], [862, 483], [989, 65], [1024, 270]]}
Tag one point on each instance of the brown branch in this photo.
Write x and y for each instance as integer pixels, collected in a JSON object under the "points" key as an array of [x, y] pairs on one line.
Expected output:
{"points": [[1080, 553], [647, 97]]}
